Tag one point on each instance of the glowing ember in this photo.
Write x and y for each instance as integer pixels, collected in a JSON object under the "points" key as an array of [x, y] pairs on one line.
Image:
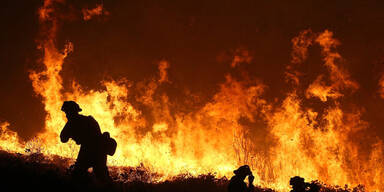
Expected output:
{"points": [[381, 86], [97, 11]]}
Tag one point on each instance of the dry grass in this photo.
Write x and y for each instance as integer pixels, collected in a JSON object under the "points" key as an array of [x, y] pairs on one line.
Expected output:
{"points": [[35, 172]]}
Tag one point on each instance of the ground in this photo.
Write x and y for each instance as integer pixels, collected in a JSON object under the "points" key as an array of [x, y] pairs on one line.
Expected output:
{"points": [[35, 172]]}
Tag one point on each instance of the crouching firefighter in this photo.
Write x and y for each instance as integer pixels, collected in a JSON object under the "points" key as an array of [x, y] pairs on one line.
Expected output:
{"points": [[237, 184], [94, 146]]}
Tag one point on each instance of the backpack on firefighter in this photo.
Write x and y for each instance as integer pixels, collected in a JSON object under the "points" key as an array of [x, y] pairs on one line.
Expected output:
{"points": [[109, 144]]}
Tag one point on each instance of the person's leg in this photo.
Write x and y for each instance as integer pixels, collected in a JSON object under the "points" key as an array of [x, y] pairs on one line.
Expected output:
{"points": [[80, 170], [100, 169]]}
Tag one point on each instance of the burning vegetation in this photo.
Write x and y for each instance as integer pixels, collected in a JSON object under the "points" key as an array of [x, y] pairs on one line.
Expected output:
{"points": [[312, 131]]}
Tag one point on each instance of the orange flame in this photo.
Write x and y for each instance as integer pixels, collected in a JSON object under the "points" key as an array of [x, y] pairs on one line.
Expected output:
{"points": [[9, 140], [163, 66], [241, 56], [238, 126], [89, 13], [381, 86]]}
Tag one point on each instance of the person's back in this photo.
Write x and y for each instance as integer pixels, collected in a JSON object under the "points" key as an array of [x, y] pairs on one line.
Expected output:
{"points": [[298, 184], [236, 184], [84, 130]]}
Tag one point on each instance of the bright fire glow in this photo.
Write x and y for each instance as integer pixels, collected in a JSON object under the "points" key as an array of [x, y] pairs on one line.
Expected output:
{"points": [[222, 134]]}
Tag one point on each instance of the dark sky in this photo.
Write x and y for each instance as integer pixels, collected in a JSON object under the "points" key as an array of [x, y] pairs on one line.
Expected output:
{"points": [[197, 38]]}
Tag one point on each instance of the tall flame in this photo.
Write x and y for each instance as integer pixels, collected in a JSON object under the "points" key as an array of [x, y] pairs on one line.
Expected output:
{"points": [[238, 126]]}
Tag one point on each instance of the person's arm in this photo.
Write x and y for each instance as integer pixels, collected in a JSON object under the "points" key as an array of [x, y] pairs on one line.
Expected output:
{"points": [[65, 133], [250, 185]]}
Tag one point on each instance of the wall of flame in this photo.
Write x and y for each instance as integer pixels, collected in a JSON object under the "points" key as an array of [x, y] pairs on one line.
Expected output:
{"points": [[225, 132]]}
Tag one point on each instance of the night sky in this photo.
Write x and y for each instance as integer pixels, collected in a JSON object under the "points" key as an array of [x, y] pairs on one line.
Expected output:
{"points": [[198, 38]]}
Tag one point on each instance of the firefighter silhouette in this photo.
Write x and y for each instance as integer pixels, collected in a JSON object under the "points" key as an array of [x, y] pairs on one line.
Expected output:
{"points": [[237, 184], [298, 185], [85, 131]]}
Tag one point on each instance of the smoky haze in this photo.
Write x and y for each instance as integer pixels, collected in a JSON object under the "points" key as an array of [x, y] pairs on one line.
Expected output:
{"points": [[199, 39]]}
